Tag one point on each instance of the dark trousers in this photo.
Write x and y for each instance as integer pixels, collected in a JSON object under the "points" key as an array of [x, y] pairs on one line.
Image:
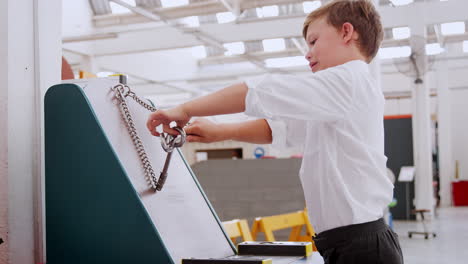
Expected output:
{"points": [[372, 242]]}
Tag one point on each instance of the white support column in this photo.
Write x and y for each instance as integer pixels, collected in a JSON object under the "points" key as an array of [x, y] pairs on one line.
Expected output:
{"points": [[21, 129], [446, 161], [422, 125], [4, 248], [30, 61], [48, 63]]}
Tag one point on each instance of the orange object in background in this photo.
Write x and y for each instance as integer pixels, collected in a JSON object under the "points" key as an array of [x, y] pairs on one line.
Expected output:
{"points": [[87, 75], [460, 193]]}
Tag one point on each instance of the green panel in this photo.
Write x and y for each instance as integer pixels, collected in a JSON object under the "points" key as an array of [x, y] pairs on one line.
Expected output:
{"points": [[93, 214]]}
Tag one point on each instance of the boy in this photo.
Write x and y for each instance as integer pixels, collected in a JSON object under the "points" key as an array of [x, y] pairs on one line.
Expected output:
{"points": [[336, 114]]}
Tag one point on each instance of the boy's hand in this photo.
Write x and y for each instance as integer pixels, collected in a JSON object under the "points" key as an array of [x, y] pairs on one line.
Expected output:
{"points": [[205, 131], [165, 117]]}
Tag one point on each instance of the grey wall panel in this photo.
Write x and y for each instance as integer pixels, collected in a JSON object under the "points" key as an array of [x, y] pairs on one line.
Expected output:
{"points": [[252, 188]]}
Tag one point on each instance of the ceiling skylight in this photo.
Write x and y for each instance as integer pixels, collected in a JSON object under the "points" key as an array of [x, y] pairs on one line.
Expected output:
{"points": [[434, 49], [401, 32], [191, 21], [173, 3], [273, 44], [395, 52], [199, 52], [310, 6], [234, 48], [267, 11], [453, 28], [118, 9], [401, 2], [225, 17], [286, 62]]}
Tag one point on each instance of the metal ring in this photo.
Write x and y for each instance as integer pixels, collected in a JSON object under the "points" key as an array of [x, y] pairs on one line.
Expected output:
{"points": [[169, 142], [166, 142], [182, 137]]}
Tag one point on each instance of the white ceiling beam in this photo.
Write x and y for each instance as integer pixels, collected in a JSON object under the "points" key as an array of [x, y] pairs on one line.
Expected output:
{"points": [[430, 38], [387, 65], [437, 12], [138, 10], [433, 13], [231, 7], [162, 38], [438, 33], [260, 55], [295, 52], [237, 76], [75, 52], [205, 38], [194, 91], [90, 37], [144, 43], [193, 9]]}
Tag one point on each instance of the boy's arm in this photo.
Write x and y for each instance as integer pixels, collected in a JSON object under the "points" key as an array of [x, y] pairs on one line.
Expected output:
{"points": [[254, 131], [226, 101]]}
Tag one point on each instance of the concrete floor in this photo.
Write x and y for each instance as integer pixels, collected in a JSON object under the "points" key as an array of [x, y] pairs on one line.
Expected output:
{"points": [[450, 245]]}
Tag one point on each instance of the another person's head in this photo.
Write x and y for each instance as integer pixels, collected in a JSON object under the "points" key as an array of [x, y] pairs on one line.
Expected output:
{"points": [[341, 31]]}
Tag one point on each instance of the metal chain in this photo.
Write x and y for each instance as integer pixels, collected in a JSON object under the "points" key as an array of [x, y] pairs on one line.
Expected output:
{"points": [[141, 102], [168, 142]]}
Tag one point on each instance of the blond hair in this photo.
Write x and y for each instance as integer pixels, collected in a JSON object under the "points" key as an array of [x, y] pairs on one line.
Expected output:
{"points": [[361, 14]]}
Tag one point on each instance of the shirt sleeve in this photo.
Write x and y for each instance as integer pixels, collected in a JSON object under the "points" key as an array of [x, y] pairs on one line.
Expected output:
{"points": [[287, 133], [323, 96]]}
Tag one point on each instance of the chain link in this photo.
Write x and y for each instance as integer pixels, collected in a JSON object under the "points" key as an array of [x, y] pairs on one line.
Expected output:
{"points": [[141, 102], [168, 142]]}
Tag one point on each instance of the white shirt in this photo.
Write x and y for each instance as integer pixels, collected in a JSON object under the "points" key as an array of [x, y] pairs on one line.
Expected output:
{"points": [[337, 116]]}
